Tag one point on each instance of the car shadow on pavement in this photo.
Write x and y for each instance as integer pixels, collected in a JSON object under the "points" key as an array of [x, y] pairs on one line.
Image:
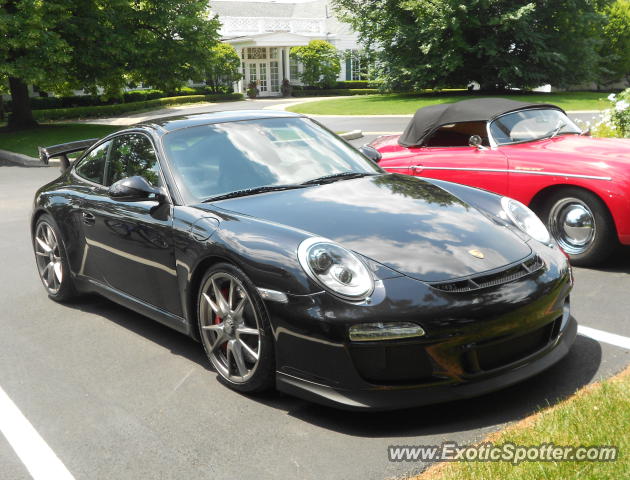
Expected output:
{"points": [[577, 369], [179, 344], [617, 263]]}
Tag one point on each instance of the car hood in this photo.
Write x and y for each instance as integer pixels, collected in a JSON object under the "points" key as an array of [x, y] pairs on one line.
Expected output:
{"points": [[405, 223], [589, 151]]}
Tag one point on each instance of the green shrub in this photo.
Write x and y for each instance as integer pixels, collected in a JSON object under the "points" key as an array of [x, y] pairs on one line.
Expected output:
{"points": [[142, 95], [121, 108], [620, 112], [335, 92], [360, 84]]}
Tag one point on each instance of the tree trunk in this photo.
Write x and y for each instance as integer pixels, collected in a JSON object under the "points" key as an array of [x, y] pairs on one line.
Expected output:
{"points": [[21, 115]]}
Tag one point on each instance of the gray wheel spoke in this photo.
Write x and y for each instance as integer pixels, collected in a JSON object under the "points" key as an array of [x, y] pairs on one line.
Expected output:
{"points": [[237, 353], [231, 295], [58, 273], [215, 328], [221, 339], [220, 299], [41, 254], [51, 238], [45, 273], [253, 356], [247, 331], [238, 311], [213, 305], [43, 245], [50, 275]]}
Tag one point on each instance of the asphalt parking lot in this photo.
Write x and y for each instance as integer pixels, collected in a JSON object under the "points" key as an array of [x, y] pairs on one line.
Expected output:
{"points": [[116, 395]]}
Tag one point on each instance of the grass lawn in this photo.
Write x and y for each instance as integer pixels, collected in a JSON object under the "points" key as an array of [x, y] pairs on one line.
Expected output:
{"points": [[598, 414], [27, 141], [399, 104]]}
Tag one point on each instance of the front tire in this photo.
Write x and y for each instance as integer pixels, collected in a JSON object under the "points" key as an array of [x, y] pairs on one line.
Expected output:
{"points": [[234, 329], [52, 261], [581, 224]]}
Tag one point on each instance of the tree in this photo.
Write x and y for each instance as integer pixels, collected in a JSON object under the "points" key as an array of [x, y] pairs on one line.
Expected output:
{"points": [[615, 50], [498, 43], [61, 45], [320, 63], [223, 67]]}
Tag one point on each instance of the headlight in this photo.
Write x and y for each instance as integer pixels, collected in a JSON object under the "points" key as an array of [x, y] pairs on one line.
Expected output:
{"points": [[525, 219], [338, 270]]}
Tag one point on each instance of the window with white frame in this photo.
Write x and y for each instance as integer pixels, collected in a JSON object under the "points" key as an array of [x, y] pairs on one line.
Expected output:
{"points": [[357, 65], [256, 53]]}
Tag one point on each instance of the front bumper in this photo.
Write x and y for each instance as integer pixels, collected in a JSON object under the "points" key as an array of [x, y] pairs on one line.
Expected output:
{"points": [[389, 398], [475, 342]]}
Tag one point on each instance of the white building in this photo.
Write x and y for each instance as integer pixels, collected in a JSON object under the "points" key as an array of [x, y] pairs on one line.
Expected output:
{"points": [[264, 31]]}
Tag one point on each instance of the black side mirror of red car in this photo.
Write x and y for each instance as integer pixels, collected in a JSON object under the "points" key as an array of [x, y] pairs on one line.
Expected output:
{"points": [[135, 189], [371, 153]]}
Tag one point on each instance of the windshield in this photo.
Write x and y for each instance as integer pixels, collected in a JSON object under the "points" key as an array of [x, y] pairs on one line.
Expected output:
{"points": [[528, 125], [213, 160]]}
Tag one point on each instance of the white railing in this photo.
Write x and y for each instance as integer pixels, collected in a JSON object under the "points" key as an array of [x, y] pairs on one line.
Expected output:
{"points": [[254, 25]]}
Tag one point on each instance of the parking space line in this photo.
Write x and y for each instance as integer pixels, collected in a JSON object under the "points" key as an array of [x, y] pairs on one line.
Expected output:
{"points": [[38, 458], [601, 336]]}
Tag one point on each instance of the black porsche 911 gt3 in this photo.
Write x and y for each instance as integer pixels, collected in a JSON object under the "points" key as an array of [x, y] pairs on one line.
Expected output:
{"points": [[299, 263]]}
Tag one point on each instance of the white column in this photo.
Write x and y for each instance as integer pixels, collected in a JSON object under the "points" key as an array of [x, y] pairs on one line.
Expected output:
{"points": [[241, 82], [285, 64]]}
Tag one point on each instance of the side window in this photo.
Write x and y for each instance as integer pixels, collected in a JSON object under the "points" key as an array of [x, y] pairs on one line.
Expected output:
{"points": [[458, 134], [92, 167], [133, 154]]}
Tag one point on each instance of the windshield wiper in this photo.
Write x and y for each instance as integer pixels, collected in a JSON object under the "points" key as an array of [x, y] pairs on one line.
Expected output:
{"points": [[555, 131], [336, 176], [251, 191]]}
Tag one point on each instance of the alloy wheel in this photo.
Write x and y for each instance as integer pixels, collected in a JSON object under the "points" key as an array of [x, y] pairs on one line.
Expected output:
{"points": [[48, 256], [230, 327]]}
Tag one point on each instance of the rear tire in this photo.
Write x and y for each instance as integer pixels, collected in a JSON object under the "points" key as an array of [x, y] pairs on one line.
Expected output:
{"points": [[581, 224], [234, 329], [52, 261]]}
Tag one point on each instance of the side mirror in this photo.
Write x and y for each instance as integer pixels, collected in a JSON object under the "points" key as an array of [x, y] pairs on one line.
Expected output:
{"points": [[135, 189], [476, 141], [371, 153]]}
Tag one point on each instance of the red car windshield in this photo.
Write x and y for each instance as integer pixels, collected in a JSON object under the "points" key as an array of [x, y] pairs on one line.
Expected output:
{"points": [[529, 125]]}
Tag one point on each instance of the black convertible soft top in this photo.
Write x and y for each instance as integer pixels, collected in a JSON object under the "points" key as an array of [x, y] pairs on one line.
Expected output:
{"points": [[427, 119]]}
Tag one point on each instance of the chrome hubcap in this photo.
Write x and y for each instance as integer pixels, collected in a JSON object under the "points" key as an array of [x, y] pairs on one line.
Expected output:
{"points": [[572, 224], [48, 257], [229, 327]]}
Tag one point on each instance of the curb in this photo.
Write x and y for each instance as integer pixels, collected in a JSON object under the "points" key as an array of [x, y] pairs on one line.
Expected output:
{"points": [[351, 135]]}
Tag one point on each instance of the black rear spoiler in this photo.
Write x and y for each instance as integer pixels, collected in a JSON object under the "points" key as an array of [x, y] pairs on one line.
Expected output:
{"points": [[62, 150]]}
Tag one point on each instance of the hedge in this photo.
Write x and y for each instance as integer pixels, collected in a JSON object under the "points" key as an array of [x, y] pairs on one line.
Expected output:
{"points": [[362, 84], [120, 108], [71, 101], [335, 92]]}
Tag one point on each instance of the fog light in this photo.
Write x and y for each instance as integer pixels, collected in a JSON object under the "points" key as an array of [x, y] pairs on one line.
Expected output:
{"points": [[368, 332]]}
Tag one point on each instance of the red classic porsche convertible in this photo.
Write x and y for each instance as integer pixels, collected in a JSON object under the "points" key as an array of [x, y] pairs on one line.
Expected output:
{"points": [[578, 185]]}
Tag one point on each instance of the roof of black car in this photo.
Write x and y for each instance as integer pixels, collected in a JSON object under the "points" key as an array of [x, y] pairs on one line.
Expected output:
{"points": [[427, 119], [184, 121]]}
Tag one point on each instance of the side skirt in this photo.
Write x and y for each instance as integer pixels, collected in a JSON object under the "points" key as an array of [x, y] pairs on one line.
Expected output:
{"points": [[173, 321]]}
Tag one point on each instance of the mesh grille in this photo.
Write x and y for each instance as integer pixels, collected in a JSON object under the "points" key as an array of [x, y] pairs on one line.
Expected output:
{"points": [[510, 274]]}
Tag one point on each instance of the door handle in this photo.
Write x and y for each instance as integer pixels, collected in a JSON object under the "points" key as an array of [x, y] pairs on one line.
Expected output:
{"points": [[416, 169], [88, 218]]}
